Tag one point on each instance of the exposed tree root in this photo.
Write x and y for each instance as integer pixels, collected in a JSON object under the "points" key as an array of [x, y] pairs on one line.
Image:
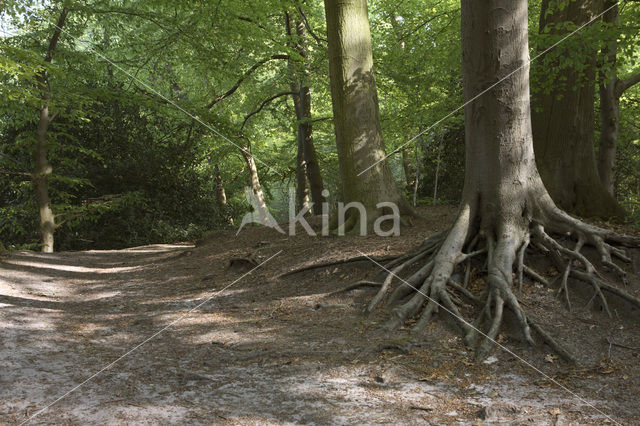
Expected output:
{"points": [[432, 287], [335, 263], [355, 286], [553, 344]]}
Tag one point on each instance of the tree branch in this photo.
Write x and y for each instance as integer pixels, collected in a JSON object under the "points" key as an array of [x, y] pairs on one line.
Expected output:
{"points": [[263, 104], [56, 35], [157, 98], [10, 158], [89, 206], [41, 77], [10, 172], [317, 38], [315, 120], [242, 78], [627, 83]]}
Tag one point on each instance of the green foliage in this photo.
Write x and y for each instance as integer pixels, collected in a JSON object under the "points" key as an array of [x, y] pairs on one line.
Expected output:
{"points": [[129, 168]]}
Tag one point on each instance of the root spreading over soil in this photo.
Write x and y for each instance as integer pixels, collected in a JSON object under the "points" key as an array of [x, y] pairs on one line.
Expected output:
{"points": [[504, 247]]}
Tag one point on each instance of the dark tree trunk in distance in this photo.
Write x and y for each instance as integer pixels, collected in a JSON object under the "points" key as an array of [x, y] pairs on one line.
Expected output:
{"points": [[611, 89], [308, 175], [409, 169], [221, 195], [563, 123]]}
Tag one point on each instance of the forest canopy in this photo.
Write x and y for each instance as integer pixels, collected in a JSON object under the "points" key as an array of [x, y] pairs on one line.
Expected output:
{"points": [[153, 104]]}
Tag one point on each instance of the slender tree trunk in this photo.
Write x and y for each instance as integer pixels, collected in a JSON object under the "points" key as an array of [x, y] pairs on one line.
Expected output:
{"points": [[310, 157], [563, 123], [302, 184], [221, 195], [316, 185], [41, 183], [260, 204], [355, 109], [308, 168], [435, 179], [302, 187], [409, 170], [42, 167]]}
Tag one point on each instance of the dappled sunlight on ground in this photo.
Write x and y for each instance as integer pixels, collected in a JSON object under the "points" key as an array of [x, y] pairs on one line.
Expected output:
{"points": [[267, 350]]}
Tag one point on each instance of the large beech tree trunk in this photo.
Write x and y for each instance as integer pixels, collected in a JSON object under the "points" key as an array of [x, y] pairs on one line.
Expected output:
{"points": [[563, 121], [355, 109], [504, 201], [42, 167]]}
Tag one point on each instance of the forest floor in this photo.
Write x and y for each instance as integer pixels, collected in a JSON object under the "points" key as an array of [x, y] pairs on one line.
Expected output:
{"points": [[274, 350]]}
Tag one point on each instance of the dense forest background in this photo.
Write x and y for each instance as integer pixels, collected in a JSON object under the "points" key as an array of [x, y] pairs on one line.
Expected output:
{"points": [[129, 168]]}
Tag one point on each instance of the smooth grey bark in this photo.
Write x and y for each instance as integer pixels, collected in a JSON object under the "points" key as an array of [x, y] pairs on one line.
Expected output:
{"points": [[563, 123], [43, 168], [355, 110]]}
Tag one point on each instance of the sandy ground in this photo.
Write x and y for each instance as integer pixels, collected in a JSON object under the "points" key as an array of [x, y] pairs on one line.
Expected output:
{"points": [[112, 337]]}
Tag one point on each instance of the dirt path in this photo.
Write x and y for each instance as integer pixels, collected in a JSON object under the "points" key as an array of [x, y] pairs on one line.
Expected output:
{"points": [[274, 350]]}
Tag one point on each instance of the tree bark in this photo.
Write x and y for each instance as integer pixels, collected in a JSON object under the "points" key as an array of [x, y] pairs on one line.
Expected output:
{"points": [[41, 182], [260, 204], [563, 123], [314, 175], [501, 177], [221, 195], [308, 168], [408, 168], [504, 200], [302, 184], [355, 109], [609, 108], [42, 167]]}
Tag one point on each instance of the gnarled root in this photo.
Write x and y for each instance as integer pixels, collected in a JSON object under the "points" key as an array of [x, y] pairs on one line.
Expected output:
{"points": [[431, 287]]}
